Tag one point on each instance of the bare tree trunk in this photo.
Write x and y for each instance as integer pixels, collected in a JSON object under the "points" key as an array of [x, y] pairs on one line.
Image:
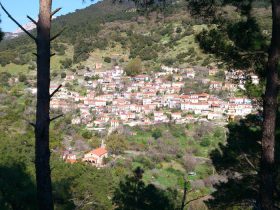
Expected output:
{"points": [[42, 151], [184, 198], [269, 113]]}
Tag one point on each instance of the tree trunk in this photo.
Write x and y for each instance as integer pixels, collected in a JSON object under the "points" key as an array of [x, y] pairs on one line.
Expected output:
{"points": [[269, 113], [42, 150]]}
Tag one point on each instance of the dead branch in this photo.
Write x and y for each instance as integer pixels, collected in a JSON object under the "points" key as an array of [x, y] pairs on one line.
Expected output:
{"points": [[197, 198], [249, 162], [57, 35], [54, 92], [35, 54], [32, 20], [54, 118], [55, 11], [17, 23], [30, 123], [53, 54]]}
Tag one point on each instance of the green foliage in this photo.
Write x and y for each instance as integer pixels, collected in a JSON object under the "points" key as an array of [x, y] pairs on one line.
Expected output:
{"points": [[156, 134], [107, 59], [66, 63], [82, 186], [17, 190], [22, 78], [63, 75], [133, 67], [133, 193], [178, 30], [87, 134], [240, 155], [205, 142], [4, 78], [116, 143]]}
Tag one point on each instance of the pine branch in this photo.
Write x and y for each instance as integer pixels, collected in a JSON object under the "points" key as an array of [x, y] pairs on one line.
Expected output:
{"points": [[54, 118], [55, 11], [54, 92], [32, 20], [57, 35], [30, 123], [17, 23]]}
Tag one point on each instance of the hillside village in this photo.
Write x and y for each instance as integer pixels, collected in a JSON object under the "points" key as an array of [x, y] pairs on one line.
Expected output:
{"points": [[113, 99]]}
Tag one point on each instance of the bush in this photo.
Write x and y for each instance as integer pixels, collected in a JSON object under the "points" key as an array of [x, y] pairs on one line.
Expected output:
{"points": [[178, 30], [189, 162], [63, 75], [134, 67], [66, 63], [205, 142], [107, 59], [22, 78], [156, 133], [87, 134], [116, 144]]}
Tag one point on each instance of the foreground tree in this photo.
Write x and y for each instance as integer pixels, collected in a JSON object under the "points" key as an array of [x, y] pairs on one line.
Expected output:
{"points": [[239, 159], [245, 43], [42, 150]]}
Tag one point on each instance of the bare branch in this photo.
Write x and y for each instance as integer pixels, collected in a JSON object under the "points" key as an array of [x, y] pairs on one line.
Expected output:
{"points": [[54, 118], [54, 92], [249, 162], [192, 190], [53, 54], [55, 11], [57, 35], [35, 54], [197, 198], [21, 27], [30, 123], [32, 20]]}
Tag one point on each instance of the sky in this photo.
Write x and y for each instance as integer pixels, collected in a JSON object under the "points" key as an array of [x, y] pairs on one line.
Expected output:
{"points": [[20, 8]]}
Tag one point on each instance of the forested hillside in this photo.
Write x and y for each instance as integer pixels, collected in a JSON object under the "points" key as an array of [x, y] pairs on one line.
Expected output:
{"points": [[119, 32]]}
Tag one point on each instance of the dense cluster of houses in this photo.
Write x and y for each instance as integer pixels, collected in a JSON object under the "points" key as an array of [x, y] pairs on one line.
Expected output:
{"points": [[113, 99]]}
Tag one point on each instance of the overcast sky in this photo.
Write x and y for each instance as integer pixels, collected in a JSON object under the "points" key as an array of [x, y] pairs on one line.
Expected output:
{"points": [[20, 8]]}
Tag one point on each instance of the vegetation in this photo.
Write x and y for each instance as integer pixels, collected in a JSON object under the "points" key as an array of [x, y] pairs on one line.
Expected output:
{"points": [[239, 49], [134, 67], [116, 143], [224, 163], [133, 193]]}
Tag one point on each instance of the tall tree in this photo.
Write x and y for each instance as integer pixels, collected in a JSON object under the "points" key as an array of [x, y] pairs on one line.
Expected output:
{"points": [[267, 163], [270, 107], [42, 150]]}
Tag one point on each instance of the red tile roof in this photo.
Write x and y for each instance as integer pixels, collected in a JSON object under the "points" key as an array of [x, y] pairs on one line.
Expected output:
{"points": [[99, 151]]}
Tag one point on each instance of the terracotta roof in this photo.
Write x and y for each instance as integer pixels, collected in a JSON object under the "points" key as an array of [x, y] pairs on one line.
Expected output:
{"points": [[99, 151]]}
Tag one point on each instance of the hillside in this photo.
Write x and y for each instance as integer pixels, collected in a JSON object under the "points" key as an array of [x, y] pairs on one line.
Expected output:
{"points": [[117, 32], [112, 30]]}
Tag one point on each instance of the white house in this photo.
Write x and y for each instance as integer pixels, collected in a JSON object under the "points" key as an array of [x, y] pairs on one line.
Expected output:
{"points": [[96, 156]]}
